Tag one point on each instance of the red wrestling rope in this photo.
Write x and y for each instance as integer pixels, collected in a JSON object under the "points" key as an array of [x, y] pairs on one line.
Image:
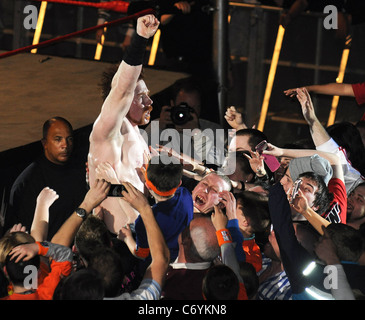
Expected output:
{"points": [[77, 33], [117, 6]]}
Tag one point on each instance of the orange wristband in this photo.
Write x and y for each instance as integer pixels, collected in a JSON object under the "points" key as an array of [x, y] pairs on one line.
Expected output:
{"points": [[42, 251], [142, 252], [223, 236]]}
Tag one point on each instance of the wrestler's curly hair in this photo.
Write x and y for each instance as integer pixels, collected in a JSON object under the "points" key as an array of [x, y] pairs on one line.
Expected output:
{"points": [[107, 77]]}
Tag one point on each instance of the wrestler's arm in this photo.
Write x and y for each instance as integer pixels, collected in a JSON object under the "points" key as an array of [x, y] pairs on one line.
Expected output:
{"points": [[118, 102]]}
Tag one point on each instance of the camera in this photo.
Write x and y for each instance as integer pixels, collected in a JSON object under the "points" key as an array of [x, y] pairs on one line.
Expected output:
{"points": [[116, 190], [272, 163], [261, 146], [295, 190], [181, 114]]}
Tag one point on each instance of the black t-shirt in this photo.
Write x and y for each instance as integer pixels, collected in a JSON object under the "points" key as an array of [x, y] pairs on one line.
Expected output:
{"points": [[69, 181]]}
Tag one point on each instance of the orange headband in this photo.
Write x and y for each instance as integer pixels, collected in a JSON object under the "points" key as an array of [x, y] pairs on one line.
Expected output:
{"points": [[155, 190], [160, 193]]}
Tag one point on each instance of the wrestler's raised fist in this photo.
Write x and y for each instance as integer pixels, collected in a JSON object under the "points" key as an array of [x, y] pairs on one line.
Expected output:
{"points": [[147, 26]]}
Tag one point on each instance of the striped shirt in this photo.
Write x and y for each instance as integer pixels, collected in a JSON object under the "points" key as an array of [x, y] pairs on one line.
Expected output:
{"points": [[276, 287]]}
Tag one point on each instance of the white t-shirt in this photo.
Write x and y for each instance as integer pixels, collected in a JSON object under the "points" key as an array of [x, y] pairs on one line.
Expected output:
{"points": [[352, 177]]}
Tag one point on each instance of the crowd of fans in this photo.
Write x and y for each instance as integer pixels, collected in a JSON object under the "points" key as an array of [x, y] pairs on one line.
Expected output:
{"points": [[241, 219]]}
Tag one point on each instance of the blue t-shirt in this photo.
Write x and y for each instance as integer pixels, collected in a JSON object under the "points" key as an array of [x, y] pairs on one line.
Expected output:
{"points": [[172, 216]]}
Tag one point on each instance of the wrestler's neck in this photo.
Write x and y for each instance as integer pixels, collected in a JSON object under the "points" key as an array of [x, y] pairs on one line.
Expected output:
{"points": [[135, 124]]}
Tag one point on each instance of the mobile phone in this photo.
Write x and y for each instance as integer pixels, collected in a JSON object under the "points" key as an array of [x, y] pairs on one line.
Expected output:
{"points": [[261, 146], [272, 163], [116, 190], [295, 190]]}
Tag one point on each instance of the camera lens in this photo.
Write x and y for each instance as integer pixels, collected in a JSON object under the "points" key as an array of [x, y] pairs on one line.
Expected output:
{"points": [[180, 114]]}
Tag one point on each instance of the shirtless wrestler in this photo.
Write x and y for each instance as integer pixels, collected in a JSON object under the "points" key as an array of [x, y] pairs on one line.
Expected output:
{"points": [[115, 138]]}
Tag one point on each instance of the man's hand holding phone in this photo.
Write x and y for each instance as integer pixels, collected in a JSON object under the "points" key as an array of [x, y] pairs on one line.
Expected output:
{"points": [[271, 161]]}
